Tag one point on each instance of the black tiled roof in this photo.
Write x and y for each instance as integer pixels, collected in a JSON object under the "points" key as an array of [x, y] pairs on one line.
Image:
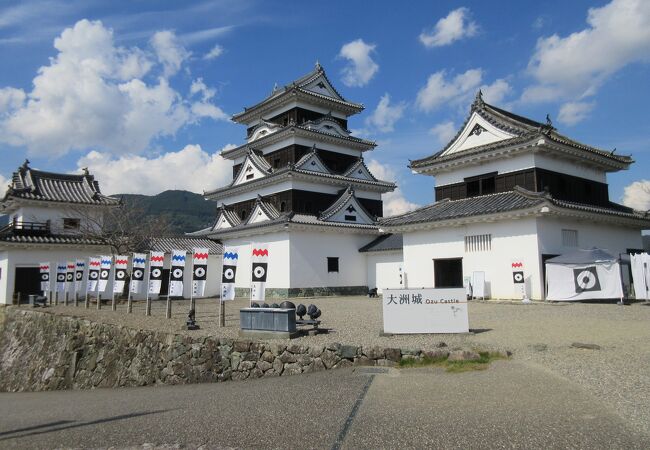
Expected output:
{"points": [[31, 184], [385, 242], [298, 86], [169, 243], [48, 239], [518, 199], [523, 129], [468, 207]]}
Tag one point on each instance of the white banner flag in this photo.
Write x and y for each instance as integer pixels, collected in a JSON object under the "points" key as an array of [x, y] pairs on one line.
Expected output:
{"points": [[228, 273], [79, 274], [104, 272], [137, 274], [45, 276], [584, 281], [121, 265], [94, 264], [69, 276], [176, 274], [156, 271], [61, 269], [259, 268], [199, 271]]}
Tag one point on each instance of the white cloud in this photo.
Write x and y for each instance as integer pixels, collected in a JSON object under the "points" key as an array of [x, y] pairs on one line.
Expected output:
{"points": [[540, 22], [215, 52], [394, 202], [95, 95], [190, 168], [457, 25], [573, 112], [11, 98], [440, 90], [169, 51], [444, 132], [575, 66], [495, 93], [361, 68], [385, 115], [637, 195], [206, 34]]}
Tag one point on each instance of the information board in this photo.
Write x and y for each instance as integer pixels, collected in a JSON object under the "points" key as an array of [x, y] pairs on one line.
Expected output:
{"points": [[425, 311]]}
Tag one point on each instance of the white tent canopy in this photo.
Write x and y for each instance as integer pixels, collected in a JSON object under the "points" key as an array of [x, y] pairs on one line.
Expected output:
{"points": [[584, 275], [641, 275]]}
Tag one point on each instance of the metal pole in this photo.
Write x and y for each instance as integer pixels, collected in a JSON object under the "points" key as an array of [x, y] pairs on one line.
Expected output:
{"points": [[76, 298], [99, 296], [192, 302], [56, 297], [168, 311], [113, 305], [87, 300], [147, 307], [65, 298], [129, 304]]}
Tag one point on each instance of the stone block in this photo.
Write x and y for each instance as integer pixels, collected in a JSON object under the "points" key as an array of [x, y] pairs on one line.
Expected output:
{"points": [[348, 351], [393, 354]]}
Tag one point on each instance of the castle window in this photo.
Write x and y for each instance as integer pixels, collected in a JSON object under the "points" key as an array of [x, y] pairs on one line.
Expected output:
{"points": [[242, 215], [276, 163], [332, 264], [283, 206], [478, 243], [71, 224], [570, 238]]}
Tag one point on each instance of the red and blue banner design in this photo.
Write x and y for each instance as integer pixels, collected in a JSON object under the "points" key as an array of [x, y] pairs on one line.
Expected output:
{"points": [[121, 264], [259, 269], [199, 271], [228, 273], [177, 272], [104, 272], [156, 262], [61, 269], [94, 265], [79, 274], [44, 269], [137, 272]]}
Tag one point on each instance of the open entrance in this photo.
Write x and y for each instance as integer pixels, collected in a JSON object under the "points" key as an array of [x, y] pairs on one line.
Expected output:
{"points": [[545, 257], [28, 282], [448, 272]]}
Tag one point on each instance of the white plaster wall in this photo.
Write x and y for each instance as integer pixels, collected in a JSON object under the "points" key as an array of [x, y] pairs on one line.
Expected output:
{"points": [[279, 259], [4, 278], [521, 162], [547, 162], [614, 239], [90, 217], [383, 269], [503, 165], [309, 252], [18, 257], [512, 239]]}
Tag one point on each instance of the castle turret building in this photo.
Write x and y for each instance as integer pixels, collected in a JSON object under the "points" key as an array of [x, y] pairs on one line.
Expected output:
{"points": [[300, 184], [511, 193]]}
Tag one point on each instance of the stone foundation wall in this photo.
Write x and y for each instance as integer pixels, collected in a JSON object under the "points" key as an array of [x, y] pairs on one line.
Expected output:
{"points": [[42, 351]]}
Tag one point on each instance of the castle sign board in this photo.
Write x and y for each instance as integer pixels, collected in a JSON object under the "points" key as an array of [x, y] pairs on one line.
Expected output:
{"points": [[408, 311]]}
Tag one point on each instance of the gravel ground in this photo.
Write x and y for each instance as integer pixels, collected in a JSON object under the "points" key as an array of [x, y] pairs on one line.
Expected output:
{"points": [[539, 334]]}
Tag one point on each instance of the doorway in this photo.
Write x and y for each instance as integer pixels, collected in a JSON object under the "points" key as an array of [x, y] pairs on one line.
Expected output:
{"points": [[28, 282], [448, 273]]}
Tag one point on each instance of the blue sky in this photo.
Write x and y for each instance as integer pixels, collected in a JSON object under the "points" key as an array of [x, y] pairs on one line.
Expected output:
{"points": [[142, 91]]}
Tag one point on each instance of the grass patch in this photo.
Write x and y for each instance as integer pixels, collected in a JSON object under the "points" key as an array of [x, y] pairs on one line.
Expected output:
{"points": [[453, 366]]}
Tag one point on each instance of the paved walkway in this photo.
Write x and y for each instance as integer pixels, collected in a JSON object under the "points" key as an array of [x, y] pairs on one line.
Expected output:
{"points": [[510, 405]]}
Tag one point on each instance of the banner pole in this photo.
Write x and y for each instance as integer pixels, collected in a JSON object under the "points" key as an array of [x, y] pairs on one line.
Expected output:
{"points": [[99, 297], [168, 311], [129, 305], [192, 303], [147, 300]]}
